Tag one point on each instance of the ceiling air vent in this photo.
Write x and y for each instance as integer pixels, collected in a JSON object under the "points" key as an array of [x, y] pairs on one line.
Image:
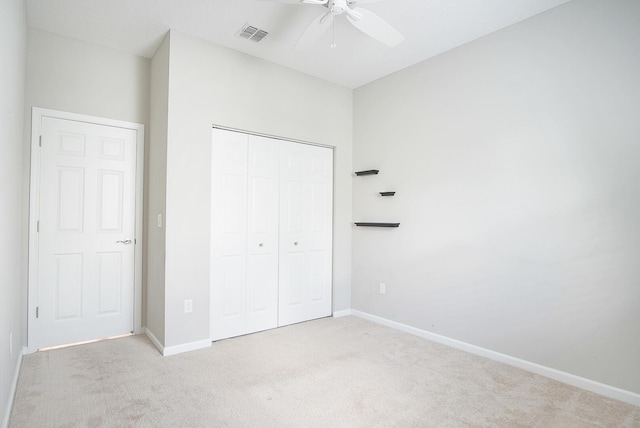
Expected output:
{"points": [[252, 33]]}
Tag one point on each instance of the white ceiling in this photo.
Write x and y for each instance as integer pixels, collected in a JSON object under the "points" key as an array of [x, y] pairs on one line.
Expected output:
{"points": [[430, 27]]}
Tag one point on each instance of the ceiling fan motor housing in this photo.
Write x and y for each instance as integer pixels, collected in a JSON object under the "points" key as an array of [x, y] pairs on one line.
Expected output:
{"points": [[338, 7]]}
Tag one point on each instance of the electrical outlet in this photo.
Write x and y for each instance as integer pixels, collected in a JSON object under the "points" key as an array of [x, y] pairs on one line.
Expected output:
{"points": [[11, 342], [383, 288], [188, 306]]}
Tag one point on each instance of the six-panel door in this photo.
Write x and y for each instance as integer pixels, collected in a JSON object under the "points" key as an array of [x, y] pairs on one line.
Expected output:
{"points": [[86, 233]]}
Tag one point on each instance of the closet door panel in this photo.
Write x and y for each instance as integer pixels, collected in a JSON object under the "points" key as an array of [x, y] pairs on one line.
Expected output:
{"points": [[262, 234], [318, 276], [231, 295], [320, 233], [306, 183], [294, 224], [228, 234], [293, 282]]}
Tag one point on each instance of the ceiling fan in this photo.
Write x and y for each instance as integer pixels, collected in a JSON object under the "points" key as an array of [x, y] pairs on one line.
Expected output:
{"points": [[367, 22]]}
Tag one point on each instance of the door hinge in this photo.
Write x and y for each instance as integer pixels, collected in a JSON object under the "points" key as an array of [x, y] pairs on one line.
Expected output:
{"points": [[40, 141], [37, 311], [38, 226]]}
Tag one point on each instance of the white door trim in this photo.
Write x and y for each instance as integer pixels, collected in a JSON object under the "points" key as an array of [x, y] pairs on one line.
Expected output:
{"points": [[37, 114]]}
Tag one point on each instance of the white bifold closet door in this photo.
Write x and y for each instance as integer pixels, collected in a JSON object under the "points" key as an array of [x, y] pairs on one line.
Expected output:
{"points": [[271, 228], [244, 272], [306, 211]]}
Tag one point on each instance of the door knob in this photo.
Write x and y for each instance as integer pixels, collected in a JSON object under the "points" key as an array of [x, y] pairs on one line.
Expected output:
{"points": [[260, 244], [126, 242], [295, 243]]}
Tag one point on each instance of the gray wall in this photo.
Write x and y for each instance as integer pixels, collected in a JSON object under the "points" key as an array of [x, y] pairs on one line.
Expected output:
{"points": [[13, 39], [516, 162], [157, 170], [75, 76], [209, 84]]}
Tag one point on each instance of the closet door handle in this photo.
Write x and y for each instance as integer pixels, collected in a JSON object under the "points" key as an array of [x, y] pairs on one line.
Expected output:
{"points": [[260, 244], [295, 243]]}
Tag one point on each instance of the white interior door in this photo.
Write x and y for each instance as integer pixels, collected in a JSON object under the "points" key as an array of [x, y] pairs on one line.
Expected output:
{"points": [[228, 234], [86, 236], [244, 234], [306, 223], [262, 234]]}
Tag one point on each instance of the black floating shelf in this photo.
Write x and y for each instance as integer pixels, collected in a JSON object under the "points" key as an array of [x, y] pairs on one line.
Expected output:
{"points": [[368, 172], [387, 193], [378, 224]]}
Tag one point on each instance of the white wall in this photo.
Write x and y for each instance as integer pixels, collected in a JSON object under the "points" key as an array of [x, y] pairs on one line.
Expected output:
{"points": [[209, 84], [516, 162], [79, 77], [13, 39], [157, 170]]}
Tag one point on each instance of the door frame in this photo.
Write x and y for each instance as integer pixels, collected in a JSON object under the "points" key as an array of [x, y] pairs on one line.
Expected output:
{"points": [[37, 114]]}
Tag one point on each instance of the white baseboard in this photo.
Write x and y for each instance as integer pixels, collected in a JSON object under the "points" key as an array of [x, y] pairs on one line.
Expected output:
{"points": [[154, 340], [564, 377], [177, 349], [186, 347], [342, 313], [12, 391]]}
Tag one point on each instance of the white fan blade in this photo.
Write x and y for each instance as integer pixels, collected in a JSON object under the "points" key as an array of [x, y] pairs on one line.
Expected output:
{"points": [[374, 26], [320, 2], [354, 2], [283, 1], [314, 31]]}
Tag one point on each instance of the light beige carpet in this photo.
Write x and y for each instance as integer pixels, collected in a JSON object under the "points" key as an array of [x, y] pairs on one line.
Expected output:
{"points": [[344, 372]]}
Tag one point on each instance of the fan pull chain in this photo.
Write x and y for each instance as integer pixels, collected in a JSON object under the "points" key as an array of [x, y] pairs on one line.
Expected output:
{"points": [[333, 30]]}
